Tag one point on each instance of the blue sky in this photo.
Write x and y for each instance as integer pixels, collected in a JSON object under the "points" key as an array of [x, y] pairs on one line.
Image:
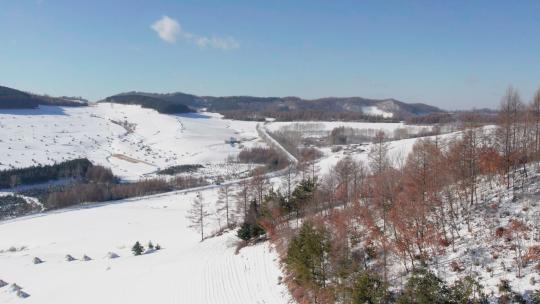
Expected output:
{"points": [[453, 54]]}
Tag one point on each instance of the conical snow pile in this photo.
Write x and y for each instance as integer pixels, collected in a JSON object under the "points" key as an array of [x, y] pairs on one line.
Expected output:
{"points": [[22, 294], [69, 258], [37, 260], [14, 287], [86, 258]]}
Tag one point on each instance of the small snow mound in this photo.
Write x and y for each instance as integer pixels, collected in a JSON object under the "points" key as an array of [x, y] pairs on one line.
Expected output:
{"points": [[37, 260], [86, 258], [15, 287], [21, 294], [112, 255], [69, 258], [14, 249], [3, 283], [149, 250]]}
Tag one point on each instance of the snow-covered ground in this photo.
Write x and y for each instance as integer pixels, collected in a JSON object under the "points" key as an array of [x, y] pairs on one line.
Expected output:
{"points": [[184, 271], [374, 111], [129, 139], [397, 151]]}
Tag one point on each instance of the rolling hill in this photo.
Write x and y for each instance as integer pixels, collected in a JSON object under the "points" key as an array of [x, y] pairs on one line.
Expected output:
{"points": [[282, 108], [15, 99]]}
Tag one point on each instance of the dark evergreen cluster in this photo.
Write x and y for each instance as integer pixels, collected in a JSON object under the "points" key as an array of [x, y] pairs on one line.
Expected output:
{"points": [[251, 227], [13, 206], [173, 170], [307, 255], [137, 249], [160, 105], [15, 99], [309, 260], [248, 231], [43, 173]]}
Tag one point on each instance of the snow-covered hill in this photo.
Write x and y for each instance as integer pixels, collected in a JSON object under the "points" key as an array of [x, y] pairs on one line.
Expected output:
{"points": [[132, 141], [184, 271]]}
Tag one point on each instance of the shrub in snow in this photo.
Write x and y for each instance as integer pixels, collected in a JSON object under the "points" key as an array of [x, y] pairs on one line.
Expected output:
{"points": [[499, 232], [535, 297], [150, 245], [467, 290], [22, 294], [424, 287], [249, 230], [455, 266], [86, 258], [137, 249], [112, 255], [37, 260], [2, 283], [69, 258], [507, 295]]}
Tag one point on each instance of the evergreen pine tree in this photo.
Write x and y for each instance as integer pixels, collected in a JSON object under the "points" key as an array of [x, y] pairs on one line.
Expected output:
{"points": [[308, 255], [137, 249], [424, 287], [369, 288]]}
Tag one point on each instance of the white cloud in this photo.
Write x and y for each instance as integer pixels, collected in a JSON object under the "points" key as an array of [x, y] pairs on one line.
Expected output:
{"points": [[169, 30]]}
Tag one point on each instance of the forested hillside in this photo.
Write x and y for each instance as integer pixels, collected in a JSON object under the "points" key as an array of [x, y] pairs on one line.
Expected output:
{"points": [[282, 108], [15, 99], [160, 105], [456, 221]]}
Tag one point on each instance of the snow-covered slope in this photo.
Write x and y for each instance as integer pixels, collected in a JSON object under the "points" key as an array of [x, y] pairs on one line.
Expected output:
{"points": [[397, 151], [131, 140], [184, 271], [375, 111]]}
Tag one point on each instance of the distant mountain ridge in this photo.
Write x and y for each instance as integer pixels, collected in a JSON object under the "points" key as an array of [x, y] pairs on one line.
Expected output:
{"points": [[241, 107], [15, 99], [286, 108]]}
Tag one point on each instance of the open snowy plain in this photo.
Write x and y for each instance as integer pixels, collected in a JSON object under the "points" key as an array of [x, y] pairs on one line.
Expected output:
{"points": [[185, 270]]}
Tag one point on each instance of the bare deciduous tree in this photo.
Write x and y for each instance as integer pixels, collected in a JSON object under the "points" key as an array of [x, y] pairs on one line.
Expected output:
{"points": [[224, 194], [197, 214]]}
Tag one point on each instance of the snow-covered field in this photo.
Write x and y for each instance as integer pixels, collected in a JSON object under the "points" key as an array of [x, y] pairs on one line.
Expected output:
{"points": [[132, 141], [184, 271]]}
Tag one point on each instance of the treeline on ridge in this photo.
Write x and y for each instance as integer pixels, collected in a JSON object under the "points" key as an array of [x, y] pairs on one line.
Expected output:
{"points": [[160, 105]]}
